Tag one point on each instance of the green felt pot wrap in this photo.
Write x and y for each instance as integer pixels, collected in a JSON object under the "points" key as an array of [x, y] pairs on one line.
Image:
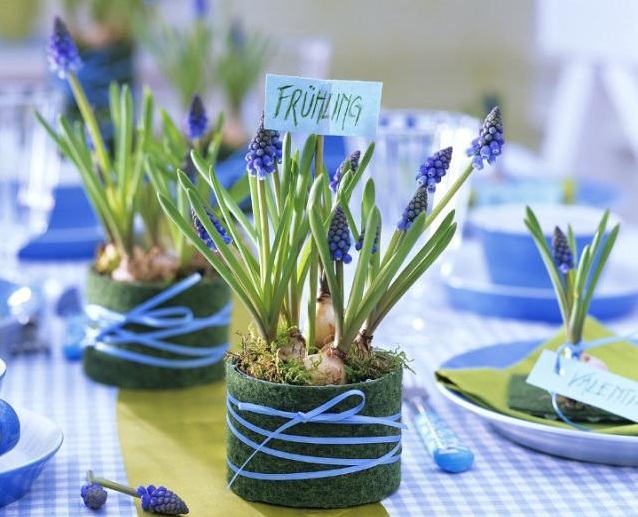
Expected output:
{"points": [[204, 299], [383, 399]]}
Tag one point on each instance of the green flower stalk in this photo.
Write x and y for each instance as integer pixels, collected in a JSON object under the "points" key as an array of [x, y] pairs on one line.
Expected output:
{"points": [[574, 283], [303, 232]]}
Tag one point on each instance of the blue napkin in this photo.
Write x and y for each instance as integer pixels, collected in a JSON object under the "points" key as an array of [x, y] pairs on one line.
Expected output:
{"points": [[73, 232]]}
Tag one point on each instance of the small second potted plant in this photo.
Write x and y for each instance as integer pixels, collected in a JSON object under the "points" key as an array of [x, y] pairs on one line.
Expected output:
{"points": [[314, 411], [146, 328], [574, 278]]}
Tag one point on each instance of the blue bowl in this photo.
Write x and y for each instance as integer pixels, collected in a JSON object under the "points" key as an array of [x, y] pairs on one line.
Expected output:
{"points": [[511, 256], [20, 467]]}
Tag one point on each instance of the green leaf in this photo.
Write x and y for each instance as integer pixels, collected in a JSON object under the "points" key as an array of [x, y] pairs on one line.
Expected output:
{"points": [[315, 216], [534, 227], [361, 272], [241, 271], [226, 216], [215, 261]]}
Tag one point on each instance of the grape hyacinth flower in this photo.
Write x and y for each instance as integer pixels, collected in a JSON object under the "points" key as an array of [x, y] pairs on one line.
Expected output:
{"points": [[161, 500], [359, 244], [417, 204], [353, 159], [203, 234], [201, 8], [264, 152], [489, 144], [434, 168], [62, 52], [196, 119], [339, 237], [155, 500], [562, 253], [237, 35], [93, 495]]}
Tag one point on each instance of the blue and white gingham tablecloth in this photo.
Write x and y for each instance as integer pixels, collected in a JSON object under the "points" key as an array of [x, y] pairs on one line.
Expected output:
{"points": [[505, 480]]}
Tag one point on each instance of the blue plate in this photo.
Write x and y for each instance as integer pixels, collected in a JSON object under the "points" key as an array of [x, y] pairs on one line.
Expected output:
{"points": [[557, 441], [40, 439], [468, 287]]}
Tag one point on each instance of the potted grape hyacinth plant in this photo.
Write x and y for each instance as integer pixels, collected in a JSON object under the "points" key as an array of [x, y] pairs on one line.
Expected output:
{"points": [[574, 283], [150, 324], [314, 412]]}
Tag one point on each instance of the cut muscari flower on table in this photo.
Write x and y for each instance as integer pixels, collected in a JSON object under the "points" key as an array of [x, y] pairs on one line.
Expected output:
{"points": [[158, 500], [434, 168], [93, 495]]}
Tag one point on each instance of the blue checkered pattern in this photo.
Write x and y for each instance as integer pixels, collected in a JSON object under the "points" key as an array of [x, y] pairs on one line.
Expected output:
{"points": [[506, 479]]}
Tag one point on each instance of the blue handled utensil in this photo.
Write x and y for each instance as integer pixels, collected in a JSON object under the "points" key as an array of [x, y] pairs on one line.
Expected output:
{"points": [[439, 439]]}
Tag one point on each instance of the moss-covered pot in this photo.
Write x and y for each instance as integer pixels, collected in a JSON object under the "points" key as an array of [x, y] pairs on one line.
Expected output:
{"points": [[204, 299], [382, 399]]}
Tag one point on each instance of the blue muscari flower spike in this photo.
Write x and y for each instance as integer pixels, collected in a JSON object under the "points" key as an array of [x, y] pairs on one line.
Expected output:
{"points": [[489, 144], [264, 152], [196, 119], [339, 237], [237, 35], [417, 204], [434, 168], [161, 500], [62, 52], [201, 8], [354, 165], [359, 244], [203, 234], [563, 257], [93, 495]]}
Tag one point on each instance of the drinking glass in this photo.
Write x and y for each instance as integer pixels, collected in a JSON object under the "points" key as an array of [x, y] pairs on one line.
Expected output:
{"points": [[29, 168], [405, 139]]}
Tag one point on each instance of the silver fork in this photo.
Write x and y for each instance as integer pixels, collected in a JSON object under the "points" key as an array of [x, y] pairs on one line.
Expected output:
{"points": [[440, 440]]}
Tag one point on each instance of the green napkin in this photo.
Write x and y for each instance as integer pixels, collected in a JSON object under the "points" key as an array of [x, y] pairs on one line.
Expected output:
{"points": [[525, 397], [488, 387]]}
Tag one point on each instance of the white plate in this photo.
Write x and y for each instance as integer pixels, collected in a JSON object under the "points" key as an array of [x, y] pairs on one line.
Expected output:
{"points": [[568, 443], [40, 439]]}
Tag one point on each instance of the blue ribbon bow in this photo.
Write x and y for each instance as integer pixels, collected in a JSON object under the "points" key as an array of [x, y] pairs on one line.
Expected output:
{"points": [[106, 330], [319, 415]]}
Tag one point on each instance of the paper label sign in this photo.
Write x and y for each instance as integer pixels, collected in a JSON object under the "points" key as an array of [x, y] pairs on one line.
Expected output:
{"points": [[324, 107], [586, 384]]}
